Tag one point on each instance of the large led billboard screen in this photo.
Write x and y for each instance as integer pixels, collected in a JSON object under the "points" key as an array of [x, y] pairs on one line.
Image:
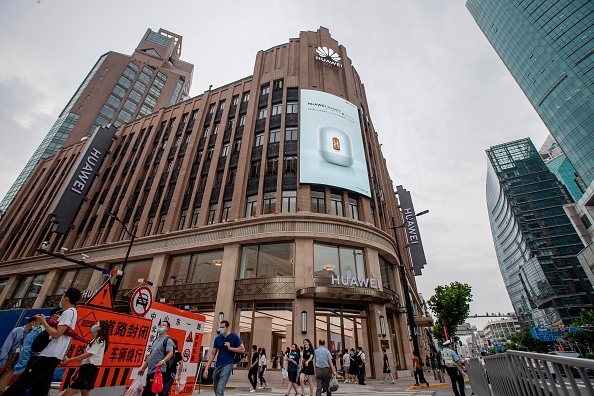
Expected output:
{"points": [[330, 143]]}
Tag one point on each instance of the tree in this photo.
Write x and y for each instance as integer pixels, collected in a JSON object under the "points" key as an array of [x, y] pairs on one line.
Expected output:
{"points": [[523, 341], [586, 321], [451, 305]]}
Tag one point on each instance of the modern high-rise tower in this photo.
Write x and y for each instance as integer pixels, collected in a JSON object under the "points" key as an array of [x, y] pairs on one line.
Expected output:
{"points": [[548, 47], [119, 88], [535, 243]]}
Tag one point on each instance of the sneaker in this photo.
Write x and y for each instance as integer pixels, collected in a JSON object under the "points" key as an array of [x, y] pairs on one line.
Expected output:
{"points": [[382, 381], [252, 390], [427, 384], [259, 387], [393, 382]]}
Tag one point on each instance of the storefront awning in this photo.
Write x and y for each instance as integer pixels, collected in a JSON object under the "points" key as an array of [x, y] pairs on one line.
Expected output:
{"points": [[347, 293]]}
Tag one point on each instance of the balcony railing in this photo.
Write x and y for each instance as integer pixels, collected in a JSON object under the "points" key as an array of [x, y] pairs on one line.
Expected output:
{"points": [[190, 293], [277, 288], [19, 303]]}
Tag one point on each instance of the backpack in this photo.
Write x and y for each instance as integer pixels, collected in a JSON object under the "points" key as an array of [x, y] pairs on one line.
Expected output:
{"points": [[170, 362], [40, 342], [237, 356]]}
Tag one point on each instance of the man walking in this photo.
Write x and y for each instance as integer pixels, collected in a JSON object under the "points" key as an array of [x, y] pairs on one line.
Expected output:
{"points": [[11, 350], [161, 351], [324, 363], [361, 361], [451, 360], [253, 370], [38, 376], [225, 345]]}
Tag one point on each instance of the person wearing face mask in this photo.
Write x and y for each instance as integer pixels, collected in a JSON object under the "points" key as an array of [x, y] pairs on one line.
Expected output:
{"points": [[161, 352], [293, 358], [225, 345], [85, 375], [12, 349]]}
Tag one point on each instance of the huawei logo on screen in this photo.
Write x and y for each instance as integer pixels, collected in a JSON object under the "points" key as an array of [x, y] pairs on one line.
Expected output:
{"points": [[328, 55]]}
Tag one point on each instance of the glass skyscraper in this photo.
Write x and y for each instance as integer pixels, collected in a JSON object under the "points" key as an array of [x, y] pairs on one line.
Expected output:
{"points": [[548, 47], [535, 243]]}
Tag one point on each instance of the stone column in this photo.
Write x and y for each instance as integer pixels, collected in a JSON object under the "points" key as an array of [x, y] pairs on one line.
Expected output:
{"points": [[226, 292], [157, 273], [48, 284], [8, 289]]}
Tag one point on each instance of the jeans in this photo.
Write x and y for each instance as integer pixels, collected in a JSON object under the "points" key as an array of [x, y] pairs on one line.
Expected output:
{"points": [[322, 380], [220, 377], [457, 380], [167, 383]]}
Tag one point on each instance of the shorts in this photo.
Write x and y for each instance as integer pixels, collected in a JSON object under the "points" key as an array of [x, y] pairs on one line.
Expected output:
{"points": [[308, 370], [293, 376], [87, 374], [387, 370]]}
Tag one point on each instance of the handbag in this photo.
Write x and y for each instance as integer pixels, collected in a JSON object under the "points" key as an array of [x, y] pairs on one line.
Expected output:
{"points": [[333, 387], [136, 388], [157, 381]]}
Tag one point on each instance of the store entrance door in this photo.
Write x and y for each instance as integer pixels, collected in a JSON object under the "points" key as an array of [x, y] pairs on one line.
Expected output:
{"points": [[343, 327]]}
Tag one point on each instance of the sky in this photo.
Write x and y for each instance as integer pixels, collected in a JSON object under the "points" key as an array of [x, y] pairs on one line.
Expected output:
{"points": [[439, 95]]}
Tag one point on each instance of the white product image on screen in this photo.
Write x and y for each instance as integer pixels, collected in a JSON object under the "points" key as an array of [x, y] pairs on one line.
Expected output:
{"points": [[335, 145]]}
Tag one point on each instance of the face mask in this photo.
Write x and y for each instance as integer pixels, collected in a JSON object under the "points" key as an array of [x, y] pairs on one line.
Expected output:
{"points": [[221, 330], [94, 329], [60, 305], [161, 330]]}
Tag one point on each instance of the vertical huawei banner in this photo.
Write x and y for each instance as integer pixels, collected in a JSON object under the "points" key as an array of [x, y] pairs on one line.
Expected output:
{"points": [[415, 246], [73, 193], [330, 143]]}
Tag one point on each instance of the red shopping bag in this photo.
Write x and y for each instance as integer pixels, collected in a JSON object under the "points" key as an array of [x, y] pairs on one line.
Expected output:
{"points": [[157, 380]]}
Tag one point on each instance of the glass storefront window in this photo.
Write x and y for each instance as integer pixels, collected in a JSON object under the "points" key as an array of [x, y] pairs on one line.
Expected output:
{"points": [[3, 283], [134, 270], [338, 261], [195, 268], [264, 261], [29, 286], [386, 272], [78, 278]]}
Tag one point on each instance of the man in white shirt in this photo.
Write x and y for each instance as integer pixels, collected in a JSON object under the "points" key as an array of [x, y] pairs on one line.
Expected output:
{"points": [[39, 375]]}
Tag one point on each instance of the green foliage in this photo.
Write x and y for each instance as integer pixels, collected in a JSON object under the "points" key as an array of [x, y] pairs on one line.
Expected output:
{"points": [[451, 305], [586, 337], [589, 355], [523, 341]]}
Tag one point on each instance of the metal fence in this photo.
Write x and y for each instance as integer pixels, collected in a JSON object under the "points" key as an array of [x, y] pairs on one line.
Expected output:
{"points": [[516, 373]]}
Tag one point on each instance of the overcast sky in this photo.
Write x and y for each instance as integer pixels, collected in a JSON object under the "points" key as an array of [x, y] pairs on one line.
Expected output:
{"points": [[438, 95]]}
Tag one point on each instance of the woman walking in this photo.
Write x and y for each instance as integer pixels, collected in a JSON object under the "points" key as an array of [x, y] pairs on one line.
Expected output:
{"points": [[86, 373], [284, 365], [419, 376], [307, 368], [262, 368], [293, 358], [386, 367]]}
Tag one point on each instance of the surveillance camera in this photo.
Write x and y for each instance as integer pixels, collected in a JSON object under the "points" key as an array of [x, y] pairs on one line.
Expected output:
{"points": [[85, 256], [63, 250], [45, 245]]}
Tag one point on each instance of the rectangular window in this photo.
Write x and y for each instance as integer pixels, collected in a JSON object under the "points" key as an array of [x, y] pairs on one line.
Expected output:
{"points": [[160, 225], [215, 130], [265, 90], [222, 105], [277, 85], [124, 116], [149, 226], [132, 66], [226, 211], [251, 206], [255, 169], [241, 120], [274, 136], [195, 215], [107, 111], [262, 113], [338, 261], [140, 87], [119, 91], [205, 132], [259, 140], [291, 134], [194, 114], [202, 183], [277, 109], [124, 82], [129, 105], [211, 108], [135, 96], [196, 268], [289, 203], [270, 260], [246, 97], [290, 165], [129, 73], [182, 219], [113, 100], [317, 202], [271, 166], [231, 176], [292, 107], [237, 146], [225, 150], [353, 209], [235, 100], [209, 153], [336, 205], [212, 213], [218, 179], [269, 203]]}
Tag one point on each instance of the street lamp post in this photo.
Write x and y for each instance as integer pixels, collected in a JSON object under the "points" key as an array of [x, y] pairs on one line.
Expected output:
{"points": [[116, 286], [404, 281]]}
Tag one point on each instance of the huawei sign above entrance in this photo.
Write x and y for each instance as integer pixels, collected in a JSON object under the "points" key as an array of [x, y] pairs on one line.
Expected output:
{"points": [[328, 55]]}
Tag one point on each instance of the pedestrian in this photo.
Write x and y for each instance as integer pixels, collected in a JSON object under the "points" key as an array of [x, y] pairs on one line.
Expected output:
{"points": [[11, 349], [293, 358], [346, 365], [285, 375], [451, 361], [85, 375], [262, 363], [174, 369], [225, 345], [307, 366], [386, 367], [40, 373], [419, 376], [325, 369], [428, 363], [354, 367], [253, 370], [161, 353], [361, 369]]}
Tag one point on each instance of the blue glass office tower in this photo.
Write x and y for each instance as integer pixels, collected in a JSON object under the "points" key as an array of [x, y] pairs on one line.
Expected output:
{"points": [[548, 47], [535, 242]]}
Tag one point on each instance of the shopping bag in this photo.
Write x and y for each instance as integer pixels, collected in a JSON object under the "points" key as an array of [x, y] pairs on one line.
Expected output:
{"points": [[157, 381], [136, 388], [333, 385], [179, 387]]}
